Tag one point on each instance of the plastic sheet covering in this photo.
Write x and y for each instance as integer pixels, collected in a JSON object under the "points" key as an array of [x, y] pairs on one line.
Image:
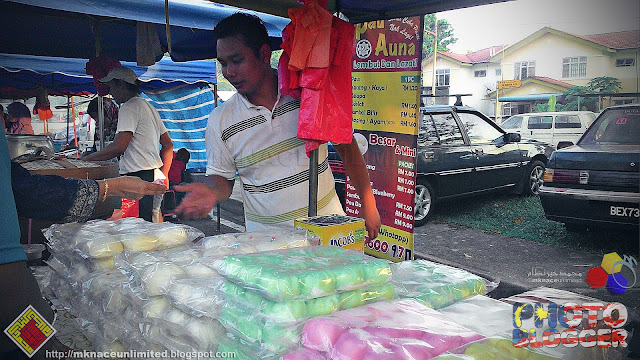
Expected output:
{"points": [[105, 289], [154, 272], [196, 297], [100, 239], [493, 348], [274, 327], [482, 314], [303, 273], [250, 242], [397, 329], [436, 285]]}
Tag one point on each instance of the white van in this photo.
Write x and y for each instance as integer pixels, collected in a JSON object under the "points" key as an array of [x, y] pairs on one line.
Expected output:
{"points": [[552, 127]]}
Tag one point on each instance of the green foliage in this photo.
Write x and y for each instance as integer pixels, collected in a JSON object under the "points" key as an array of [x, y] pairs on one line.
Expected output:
{"points": [[523, 217], [604, 84], [571, 99], [445, 35], [275, 58], [599, 85], [542, 108]]}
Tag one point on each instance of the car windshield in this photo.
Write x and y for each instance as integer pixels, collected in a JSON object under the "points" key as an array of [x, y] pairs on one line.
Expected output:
{"points": [[615, 126], [514, 122]]}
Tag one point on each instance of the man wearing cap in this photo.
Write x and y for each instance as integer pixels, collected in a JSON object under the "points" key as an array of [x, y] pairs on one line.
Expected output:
{"points": [[138, 136]]}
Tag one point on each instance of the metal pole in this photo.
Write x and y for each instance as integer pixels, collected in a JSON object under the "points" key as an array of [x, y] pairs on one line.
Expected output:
{"points": [[101, 120], [313, 183], [68, 115], [435, 53], [215, 105]]}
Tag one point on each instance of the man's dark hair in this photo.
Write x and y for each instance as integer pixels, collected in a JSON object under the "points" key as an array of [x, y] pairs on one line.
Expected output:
{"points": [[183, 155], [249, 27], [92, 108], [18, 110]]}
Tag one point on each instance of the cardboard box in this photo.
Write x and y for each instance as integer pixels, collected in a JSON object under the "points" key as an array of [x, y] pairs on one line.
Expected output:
{"points": [[335, 230]]}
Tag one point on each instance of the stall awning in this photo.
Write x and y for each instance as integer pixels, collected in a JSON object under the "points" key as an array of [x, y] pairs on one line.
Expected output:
{"points": [[529, 97], [21, 75]]}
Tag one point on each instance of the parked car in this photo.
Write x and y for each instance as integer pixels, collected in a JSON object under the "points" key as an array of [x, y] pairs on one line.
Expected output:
{"points": [[462, 152], [560, 129], [596, 181]]}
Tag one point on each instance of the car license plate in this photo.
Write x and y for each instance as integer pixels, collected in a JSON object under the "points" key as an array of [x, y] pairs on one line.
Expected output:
{"points": [[624, 211]]}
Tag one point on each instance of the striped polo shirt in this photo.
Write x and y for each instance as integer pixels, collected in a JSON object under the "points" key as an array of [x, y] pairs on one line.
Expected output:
{"points": [[262, 147]]}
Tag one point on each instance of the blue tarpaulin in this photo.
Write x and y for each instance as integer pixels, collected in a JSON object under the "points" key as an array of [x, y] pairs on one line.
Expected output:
{"points": [[527, 97], [20, 75], [184, 111], [77, 28]]}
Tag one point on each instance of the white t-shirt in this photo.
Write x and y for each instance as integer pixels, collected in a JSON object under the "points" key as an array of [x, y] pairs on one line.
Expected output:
{"points": [[143, 120], [262, 147]]}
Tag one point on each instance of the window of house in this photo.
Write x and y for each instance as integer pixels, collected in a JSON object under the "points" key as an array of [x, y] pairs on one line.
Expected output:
{"points": [[524, 69], [540, 122], [498, 72], [574, 66], [442, 77], [480, 73], [509, 109], [625, 62], [622, 101], [568, 122]]}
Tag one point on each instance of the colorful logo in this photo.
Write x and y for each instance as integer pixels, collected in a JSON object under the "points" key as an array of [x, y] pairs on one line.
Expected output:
{"points": [[569, 324], [30, 331], [609, 274]]}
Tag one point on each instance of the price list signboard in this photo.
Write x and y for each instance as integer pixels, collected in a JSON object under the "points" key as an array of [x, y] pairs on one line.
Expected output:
{"points": [[386, 95]]}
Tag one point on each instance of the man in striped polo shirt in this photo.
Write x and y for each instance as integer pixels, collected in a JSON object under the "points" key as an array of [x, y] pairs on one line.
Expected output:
{"points": [[254, 134]]}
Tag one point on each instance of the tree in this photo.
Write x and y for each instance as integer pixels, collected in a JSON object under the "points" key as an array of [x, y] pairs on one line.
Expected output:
{"points": [[445, 35], [571, 99], [604, 84], [599, 85]]}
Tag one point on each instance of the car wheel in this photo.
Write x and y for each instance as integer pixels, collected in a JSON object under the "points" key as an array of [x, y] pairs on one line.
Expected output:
{"points": [[533, 178], [425, 199]]}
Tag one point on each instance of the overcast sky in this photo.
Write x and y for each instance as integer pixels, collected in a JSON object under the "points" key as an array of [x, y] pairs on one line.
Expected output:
{"points": [[508, 22]]}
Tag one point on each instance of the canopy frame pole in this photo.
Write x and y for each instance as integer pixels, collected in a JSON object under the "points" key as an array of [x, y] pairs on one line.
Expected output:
{"points": [[101, 120], [313, 183], [66, 137], [215, 105], [168, 30]]}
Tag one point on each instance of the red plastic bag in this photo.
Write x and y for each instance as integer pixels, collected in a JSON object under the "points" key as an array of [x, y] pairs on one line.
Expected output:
{"points": [[129, 208], [325, 93]]}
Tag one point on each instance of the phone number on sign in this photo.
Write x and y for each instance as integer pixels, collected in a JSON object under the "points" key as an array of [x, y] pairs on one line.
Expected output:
{"points": [[392, 250]]}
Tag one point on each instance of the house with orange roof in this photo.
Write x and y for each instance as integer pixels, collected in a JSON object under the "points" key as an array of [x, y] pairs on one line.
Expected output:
{"points": [[473, 73], [547, 63]]}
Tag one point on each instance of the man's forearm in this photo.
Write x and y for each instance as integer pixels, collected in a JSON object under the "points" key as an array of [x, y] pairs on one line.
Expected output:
{"points": [[356, 169], [166, 154], [109, 152], [222, 186]]}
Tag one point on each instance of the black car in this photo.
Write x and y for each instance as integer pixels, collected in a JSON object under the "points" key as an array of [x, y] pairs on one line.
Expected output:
{"points": [[595, 182], [462, 152]]}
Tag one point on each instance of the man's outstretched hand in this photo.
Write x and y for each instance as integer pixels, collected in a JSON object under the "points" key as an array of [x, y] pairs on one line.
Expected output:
{"points": [[198, 202]]}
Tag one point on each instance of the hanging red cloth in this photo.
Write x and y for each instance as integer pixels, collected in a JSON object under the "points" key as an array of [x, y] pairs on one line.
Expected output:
{"points": [[325, 91], [42, 108], [99, 67]]}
